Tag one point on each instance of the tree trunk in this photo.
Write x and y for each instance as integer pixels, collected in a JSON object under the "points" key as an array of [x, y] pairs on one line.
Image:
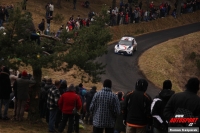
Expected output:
{"points": [[178, 10], [33, 114]]}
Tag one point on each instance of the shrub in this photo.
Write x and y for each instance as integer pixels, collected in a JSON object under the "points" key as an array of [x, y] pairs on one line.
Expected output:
{"points": [[58, 18], [192, 55]]}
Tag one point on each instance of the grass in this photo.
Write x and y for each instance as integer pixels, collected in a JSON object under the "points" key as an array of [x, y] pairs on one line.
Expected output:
{"points": [[173, 64], [26, 126]]}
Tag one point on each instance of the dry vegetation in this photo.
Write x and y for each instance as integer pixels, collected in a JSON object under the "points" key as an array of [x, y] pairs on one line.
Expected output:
{"points": [[174, 63], [37, 9], [27, 127]]}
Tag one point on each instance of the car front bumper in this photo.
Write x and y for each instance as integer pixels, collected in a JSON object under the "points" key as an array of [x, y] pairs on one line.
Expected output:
{"points": [[125, 52]]}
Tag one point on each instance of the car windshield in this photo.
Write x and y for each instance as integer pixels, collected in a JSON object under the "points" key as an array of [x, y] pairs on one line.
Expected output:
{"points": [[125, 42]]}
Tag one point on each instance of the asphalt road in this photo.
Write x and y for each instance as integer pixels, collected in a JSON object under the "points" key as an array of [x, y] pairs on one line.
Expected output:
{"points": [[123, 70]]}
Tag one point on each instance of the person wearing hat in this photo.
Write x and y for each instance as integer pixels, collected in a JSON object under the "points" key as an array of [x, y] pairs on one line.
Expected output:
{"points": [[158, 105], [22, 93], [137, 109], [185, 103], [67, 103], [105, 108]]}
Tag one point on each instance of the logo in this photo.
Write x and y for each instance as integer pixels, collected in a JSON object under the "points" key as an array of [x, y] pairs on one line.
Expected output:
{"points": [[180, 119]]}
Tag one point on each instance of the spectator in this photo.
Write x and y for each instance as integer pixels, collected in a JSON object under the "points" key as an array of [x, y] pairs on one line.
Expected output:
{"points": [[136, 110], [146, 16], [13, 78], [87, 3], [158, 105], [52, 104], [119, 126], [89, 95], [15, 96], [77, 115], [82, 92], [24, 4], [59, 31], [174, 13], [140, 5], [47, 87], [47, 10], [121, 3], [184, 102], [66, 103], [41, 26], [42, 100], [2, 16], [105, 107], [35, 37], [23, 84], [77, 25], [151, 6], [51, 9], [168, 9], [74, 3], [83, 99], [5, 90], [48, 22], [62, 89]]}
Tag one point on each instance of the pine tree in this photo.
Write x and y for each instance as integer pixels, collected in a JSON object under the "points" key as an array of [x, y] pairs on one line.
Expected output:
{"points": [[18, 49]]}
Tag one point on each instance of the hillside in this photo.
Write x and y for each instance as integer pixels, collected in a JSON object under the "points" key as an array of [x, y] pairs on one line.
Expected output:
{"points": [[37, 8], [178, 62]]}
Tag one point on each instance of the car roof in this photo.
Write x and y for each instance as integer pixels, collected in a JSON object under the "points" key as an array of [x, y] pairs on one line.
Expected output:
{"points": [[128, 38]]}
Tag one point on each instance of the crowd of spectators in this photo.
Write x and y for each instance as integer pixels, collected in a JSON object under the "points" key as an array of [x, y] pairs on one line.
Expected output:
{"points": [[131, 112], [134, 111], [4, 13], [125, 13]]}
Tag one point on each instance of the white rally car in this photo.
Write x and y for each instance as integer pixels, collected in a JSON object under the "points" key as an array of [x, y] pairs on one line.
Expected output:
{"points": [[126, 46]]}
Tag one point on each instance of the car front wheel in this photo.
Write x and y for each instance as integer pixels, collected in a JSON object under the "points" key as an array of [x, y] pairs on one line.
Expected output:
{"points": [[135, 48]]}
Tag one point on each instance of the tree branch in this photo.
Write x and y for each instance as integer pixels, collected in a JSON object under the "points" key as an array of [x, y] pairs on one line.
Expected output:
{"points": [[50, 37]]}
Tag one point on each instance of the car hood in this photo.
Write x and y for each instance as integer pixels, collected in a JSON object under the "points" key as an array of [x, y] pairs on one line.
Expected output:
{"points": [[122, 47]]}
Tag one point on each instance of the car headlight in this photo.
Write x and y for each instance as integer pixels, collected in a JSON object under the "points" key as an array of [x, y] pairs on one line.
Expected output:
{"points": [[129, 48], [117, 46]]}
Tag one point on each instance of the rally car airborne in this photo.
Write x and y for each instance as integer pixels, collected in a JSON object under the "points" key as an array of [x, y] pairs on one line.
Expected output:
{"points": [[126, 46]]}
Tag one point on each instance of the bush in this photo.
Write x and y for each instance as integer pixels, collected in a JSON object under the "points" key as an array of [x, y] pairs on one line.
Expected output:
{"points": [[58, 18], [192, 55]]}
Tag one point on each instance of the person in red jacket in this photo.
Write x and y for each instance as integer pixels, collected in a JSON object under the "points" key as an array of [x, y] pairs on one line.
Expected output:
{"points": [[66, 103]]}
